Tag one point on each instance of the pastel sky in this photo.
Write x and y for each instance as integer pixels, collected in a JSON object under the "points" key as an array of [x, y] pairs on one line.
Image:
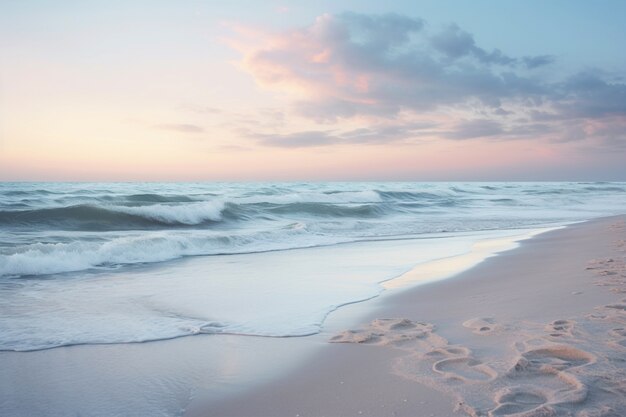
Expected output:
{"points": [[323, 90]]}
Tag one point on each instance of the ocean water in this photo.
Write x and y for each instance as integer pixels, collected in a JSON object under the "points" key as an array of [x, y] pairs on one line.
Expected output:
{"points": [[86, 263]]}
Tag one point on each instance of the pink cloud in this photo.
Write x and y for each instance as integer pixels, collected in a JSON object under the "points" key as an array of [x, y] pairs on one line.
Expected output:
{"points": [[381, 66]]}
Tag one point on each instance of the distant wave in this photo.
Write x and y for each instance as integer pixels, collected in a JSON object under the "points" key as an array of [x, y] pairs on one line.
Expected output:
{"points": [[617, 189], [27, 192], [329, 210], [575, 191], [189, 214], [88, 232], [157, 198], [165, 211], [339, 197], [90, 217], [60, 230], [409, 195]]}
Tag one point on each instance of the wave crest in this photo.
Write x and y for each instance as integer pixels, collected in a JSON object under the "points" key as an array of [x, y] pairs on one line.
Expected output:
{"points": [[188, 214], [52, 258], [90, 217]]}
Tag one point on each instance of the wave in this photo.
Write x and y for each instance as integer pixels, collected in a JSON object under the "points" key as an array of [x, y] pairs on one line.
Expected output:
{"points": [[17, 193], [93, 218], [150, 211], [52, 258], [163, 211], [158, 198], [339, 197], [186, 214], [409, 195], [504, 200], [90, 217], [330, 210], [613, 189], [155, 223], [576, 191]]}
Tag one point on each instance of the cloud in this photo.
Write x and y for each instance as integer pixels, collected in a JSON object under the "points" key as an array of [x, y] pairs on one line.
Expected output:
{"points": [[533, 62], [351, 64], [296, 140], [365, 135], [376, 67], [492, 129], [586, 94], [389, 133], [453, 42], [180, 127], [456, 43], [475, 129]]}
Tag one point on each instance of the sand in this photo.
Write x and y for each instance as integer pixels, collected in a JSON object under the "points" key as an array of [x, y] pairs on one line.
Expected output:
{"points": [[536, 331]]}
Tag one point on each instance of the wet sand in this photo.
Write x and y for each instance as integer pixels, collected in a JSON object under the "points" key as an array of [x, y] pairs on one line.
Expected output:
{"points": [[536, 331]]}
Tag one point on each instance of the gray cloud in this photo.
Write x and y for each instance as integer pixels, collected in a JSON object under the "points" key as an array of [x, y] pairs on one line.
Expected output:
{"points": [[532, 62], [400, 133], [380, 31], [362, 65], [471, 129], [586, 94], [388, 133], [456, 43], [366, 135], [297, 140], [401, 66], [453, 42]]}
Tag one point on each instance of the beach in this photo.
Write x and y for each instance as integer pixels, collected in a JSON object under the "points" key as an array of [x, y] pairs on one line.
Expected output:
{"points": [[312, 299], [312, 209], [536, 331]]}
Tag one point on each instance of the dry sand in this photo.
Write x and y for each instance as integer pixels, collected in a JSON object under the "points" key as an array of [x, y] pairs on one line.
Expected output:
{"points": [[537, 331]]}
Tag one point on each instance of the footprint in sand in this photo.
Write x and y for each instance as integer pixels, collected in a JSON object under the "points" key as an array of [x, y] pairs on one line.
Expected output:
{"points": [[597, 316], [546, 367], [520, 401], [355, 336], [482, 325], [557, 387], [448, 352], [396, 332], [558, 357], [466, 369], [561, 328]]}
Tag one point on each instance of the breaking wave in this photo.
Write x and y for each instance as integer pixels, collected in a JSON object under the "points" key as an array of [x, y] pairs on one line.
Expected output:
{"points": [[70, 227]]}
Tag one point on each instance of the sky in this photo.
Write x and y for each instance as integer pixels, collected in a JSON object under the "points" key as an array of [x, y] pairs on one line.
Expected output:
{"points": [[272, 90]]}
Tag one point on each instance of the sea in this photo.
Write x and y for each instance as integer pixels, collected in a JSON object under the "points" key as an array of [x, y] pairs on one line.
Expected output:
{"points": [[115, 263]]}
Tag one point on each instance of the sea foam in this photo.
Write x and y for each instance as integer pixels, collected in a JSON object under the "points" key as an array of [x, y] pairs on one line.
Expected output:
{"points": [[94, 263], [274, 294]]}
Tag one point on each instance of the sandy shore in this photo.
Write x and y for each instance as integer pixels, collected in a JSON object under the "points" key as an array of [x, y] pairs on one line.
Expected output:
{"points": [[537, 331]]}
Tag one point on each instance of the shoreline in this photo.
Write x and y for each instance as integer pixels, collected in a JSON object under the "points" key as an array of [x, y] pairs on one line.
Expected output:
{"points": [[305, 291], [229, 375], [456, 341]]}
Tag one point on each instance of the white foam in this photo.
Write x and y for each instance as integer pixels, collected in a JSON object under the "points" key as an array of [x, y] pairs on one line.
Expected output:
{"points": [[270, 294], [367, 196], [187, 213], [51, 258]]}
